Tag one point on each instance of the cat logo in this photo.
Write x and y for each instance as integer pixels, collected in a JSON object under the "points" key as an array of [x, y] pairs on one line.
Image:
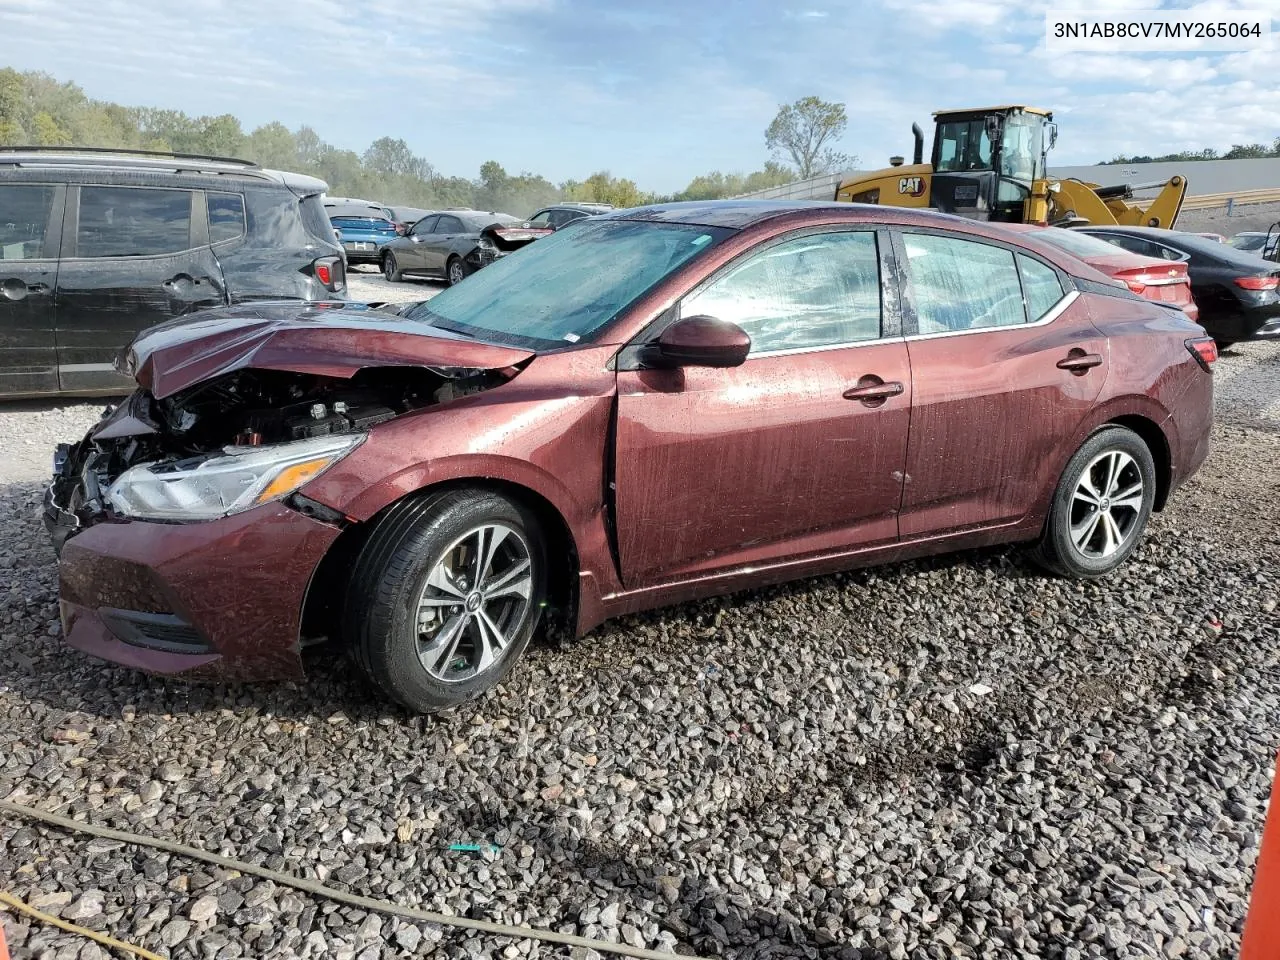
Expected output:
{"points": [[911, 186]]}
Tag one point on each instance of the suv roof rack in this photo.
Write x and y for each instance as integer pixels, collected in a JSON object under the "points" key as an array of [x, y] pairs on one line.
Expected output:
{"points": [[118, 156]]}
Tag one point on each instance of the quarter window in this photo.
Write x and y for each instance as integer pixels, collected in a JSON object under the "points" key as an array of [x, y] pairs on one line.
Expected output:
{"points": [[226, 216], [133, 222], [24, 218], [1040, 285], [962, 285], [814, 291]]}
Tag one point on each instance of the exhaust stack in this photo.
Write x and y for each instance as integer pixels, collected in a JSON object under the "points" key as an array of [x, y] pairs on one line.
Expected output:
{"points": [[919, 135]]}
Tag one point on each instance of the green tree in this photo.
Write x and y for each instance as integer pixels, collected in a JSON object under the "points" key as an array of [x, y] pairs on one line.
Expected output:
{"points": [[1249, 151], [47, 132], [272, 145], [219, 136], [803, 130]]}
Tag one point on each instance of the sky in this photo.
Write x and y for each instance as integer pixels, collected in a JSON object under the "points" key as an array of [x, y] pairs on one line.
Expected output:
{"points": [[654, 90]]}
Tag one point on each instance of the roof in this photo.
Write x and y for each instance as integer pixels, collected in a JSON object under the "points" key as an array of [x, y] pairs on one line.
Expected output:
{"points": [[154, 161], [738, 214], [1000, 109]]}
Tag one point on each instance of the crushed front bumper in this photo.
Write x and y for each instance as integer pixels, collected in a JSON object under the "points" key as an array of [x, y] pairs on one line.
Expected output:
{"points": [[216, 599]]}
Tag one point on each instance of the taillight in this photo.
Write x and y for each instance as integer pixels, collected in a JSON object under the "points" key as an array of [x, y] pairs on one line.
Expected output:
{"points": [[1258, 283], [1204, 350], [329, 271], [1137, 286]]}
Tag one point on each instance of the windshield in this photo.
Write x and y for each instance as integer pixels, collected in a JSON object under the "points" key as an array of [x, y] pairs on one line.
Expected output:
{"points": [[567, 286], [1022, 147], [1081, 244], [1250, 242]]}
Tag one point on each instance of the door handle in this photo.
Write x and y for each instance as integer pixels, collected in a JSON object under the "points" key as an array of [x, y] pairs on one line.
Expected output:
{"points": [[1079, 362], [15, 288], [873, 391]]}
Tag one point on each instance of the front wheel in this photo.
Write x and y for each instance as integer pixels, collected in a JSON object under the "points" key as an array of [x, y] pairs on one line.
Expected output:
{"points": [[391, 268], [445, 596], [1101, 506]]}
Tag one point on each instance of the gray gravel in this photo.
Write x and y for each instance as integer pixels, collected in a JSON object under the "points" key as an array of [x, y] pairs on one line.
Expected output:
{"points": [[953, 757]]}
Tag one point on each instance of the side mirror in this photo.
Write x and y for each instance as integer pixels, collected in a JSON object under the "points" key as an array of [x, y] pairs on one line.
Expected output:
{"points": [[704, 342]]}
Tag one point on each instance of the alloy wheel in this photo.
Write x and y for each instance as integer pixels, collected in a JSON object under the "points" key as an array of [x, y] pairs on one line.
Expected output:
{"points": [[476, 599], [455, 272], [1106, 505], [389, 266]]}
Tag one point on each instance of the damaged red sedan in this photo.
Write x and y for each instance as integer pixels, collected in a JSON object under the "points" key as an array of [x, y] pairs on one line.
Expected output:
{"points": [[660, 404]]}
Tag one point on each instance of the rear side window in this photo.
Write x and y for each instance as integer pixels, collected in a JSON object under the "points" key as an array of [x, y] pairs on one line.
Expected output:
{"points": [[226, 216], [315, 218], [24, 220], [1040, 285], [962, 285], [133, 222], [815, 291], [449, 225]]}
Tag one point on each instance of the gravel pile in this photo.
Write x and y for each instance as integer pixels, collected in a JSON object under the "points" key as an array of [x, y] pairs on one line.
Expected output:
{"points": [[959, 757]]}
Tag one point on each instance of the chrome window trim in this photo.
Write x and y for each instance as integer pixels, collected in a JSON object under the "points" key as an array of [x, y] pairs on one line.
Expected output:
{"points": [[793, 351], [1054, 313]]}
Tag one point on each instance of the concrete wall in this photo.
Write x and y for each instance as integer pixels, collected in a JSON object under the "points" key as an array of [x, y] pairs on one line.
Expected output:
{"points": [[1203, 177]]}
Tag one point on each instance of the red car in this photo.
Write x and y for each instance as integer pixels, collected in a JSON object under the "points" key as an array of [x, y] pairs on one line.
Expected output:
{"points": [[1159, 280], [660, 404]]}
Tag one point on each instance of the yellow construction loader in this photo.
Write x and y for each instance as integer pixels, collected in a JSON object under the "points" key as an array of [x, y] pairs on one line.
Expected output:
{"points": [[989, 164]]}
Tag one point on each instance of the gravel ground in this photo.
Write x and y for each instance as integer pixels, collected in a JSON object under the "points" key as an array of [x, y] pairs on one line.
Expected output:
{"points": [[955, 757], [1250, 216]]}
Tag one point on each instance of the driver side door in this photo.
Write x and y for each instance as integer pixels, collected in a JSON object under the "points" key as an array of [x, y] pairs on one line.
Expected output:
{"points": [[414, 252], [785, 456]]}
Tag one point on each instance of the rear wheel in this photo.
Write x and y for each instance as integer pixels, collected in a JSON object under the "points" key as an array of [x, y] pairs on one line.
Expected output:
{"points": [[1101, 506], [456, 271], [390, 268], [445, 596]]}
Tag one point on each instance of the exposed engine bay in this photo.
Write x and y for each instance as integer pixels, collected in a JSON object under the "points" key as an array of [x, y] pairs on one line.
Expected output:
{"points": [[248, 408]]}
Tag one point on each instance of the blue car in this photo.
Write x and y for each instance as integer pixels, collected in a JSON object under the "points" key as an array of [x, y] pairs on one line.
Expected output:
{"points": [[363, 236]]}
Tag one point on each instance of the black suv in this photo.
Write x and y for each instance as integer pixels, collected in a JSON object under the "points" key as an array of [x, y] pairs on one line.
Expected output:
{"points": [[96, 245]]}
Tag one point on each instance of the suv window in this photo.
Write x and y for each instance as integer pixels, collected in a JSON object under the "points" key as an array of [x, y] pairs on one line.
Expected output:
{"points": [[449, 225], [133, 222], [814, 291], [24, 218], [226, 216], [962, 284]]}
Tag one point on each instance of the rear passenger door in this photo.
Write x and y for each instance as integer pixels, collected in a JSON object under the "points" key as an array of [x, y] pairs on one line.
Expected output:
{"points": [[1005, 364], [132, 257], [30, 227], [440, 243]]}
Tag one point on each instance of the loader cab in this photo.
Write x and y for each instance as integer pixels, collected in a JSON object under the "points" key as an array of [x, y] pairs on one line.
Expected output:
{"points": [[987, 161]]}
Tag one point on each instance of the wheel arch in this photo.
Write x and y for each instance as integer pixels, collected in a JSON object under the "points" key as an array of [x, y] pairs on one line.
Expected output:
{"points": [[1150, 433], [322, 605]]}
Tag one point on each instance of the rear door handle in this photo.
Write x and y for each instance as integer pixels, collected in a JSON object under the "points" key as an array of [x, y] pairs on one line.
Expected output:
{"points": [[1078, 362], [873, 391]]}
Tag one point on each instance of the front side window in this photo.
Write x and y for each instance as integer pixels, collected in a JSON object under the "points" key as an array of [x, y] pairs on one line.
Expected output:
{"points": [[963, 145], [133, 222], [814, 291], [425, 225], [568, 285], [24, 220], [226, 216], [542, 219], [962, 284]]}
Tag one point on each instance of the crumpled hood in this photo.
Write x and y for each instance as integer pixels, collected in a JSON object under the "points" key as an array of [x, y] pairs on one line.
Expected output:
{"points": [[333, 340]]}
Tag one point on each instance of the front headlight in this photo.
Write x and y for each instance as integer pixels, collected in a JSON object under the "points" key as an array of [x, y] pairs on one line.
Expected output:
{"points": [[228, 482]]}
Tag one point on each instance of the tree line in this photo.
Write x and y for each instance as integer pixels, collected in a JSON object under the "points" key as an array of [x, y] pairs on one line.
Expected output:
{"points": [[1240, 151], [38, 110]]}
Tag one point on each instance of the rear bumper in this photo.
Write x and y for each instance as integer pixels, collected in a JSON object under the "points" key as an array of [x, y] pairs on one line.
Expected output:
{"points": [[221, 599]]}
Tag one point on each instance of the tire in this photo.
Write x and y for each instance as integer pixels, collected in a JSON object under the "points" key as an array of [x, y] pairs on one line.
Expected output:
{"points": [[406, 597], [1075, 544], [456, 270], [391, 268]]}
